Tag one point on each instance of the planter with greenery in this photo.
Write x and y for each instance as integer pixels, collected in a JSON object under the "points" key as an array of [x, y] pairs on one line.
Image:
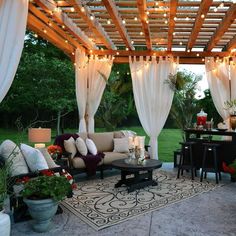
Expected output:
{"points": [[5, 224], [42, 195], [230, 106]]}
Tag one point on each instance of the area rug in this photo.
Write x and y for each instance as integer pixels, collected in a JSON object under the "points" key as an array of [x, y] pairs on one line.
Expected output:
{"points": [[101, 205]]}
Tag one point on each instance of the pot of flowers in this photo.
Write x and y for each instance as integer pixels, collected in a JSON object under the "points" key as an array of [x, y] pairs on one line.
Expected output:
{"points": [[5, 223], [42, 194], [230, 106], [231, 169]]}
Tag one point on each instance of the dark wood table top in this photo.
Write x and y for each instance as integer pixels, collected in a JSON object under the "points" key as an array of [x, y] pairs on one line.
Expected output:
{"points": [[148, 164], [211, 132]]}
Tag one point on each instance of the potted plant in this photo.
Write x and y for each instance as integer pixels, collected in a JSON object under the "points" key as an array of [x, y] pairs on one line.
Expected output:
{"points": [[5, 224], [42, 194], [230, 106], [231, 168]]}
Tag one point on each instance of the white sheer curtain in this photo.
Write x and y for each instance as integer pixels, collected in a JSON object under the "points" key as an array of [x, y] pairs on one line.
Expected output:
{"points": [[13, 18], [152, 94], [98, 72], [218, 79], [81, 75], [233, 78]]}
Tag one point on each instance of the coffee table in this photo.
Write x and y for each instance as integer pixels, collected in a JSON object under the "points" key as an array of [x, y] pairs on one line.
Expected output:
{"points": [[142, 173]]}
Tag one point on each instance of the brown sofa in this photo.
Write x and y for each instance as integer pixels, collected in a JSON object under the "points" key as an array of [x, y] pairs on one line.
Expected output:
{"points": [[104, 143]]}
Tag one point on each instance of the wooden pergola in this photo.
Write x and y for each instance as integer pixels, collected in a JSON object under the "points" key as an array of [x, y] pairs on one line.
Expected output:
{"points": [[191, 30]]}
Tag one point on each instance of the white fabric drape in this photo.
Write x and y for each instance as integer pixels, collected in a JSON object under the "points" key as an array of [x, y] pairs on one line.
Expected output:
{"points": [[13, 18], [98, 72], [152, 94], [232, 69], [81, 75], [218, 79]]}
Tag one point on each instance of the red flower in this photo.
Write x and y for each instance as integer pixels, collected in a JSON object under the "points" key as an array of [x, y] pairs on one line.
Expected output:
{"points": [[47, 172], [228, 169], [69, 177], [23, 180], [54, 149], [74, 186]]}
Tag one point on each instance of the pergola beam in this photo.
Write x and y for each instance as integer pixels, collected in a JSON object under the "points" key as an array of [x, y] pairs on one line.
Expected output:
{"points": [[223, 27], [54, 26], [125, 53], [142, 8], [173, 10], [94, 24], [63, 19], [47, 33], [113, 12], [231, 44], [202, 12]]}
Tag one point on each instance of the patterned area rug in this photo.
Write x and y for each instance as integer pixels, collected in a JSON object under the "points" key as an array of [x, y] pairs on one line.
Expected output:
{"points": [[101, 205]]}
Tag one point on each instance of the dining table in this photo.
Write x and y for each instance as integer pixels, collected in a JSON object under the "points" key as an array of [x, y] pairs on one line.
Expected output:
{"points": [[226, 138]]}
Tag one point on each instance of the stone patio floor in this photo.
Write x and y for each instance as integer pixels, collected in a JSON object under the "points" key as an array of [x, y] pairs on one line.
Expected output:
{"points": [[208, 214]]}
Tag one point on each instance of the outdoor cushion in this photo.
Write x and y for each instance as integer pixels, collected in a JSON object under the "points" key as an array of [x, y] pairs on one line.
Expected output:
{"points": [[69, 146], [91, 146], [118, 134], [81, 146], [103, 141], [83, 135], [79, 163], [11, 153], [34, 158], [112, 156], [51, 163], [60, 139], [121, 145]]}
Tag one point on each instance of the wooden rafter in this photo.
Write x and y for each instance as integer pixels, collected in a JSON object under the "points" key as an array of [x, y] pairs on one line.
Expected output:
{"points": [[94, 24], [231, 44], [63, 19], [142, 8], [202, 11], [173, 9], [54, 26], [46, 32], [113, 12], [223, 27]]}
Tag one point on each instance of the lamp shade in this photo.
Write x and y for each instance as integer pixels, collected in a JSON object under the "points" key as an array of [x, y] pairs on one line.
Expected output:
{"points": [[38, 135]]}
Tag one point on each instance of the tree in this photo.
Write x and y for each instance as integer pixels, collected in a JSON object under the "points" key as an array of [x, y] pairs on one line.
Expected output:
{"points": [[184, 105]]}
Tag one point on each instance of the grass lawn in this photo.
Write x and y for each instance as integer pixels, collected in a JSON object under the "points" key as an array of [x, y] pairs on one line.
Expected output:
{"points": [[168, 140]]}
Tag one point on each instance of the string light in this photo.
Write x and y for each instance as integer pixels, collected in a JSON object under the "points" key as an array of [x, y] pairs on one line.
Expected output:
{"points": [[187, 18], [73, 53], [123, 21], [63, 27], [188, 50], [148, 12], [147, 21], [72, 9], [166, 21], [108, 22], [141, 33], [180, 43], [74, 64], [117, 72], [202, 16], [117, 53], [49, 23], [174, 33], [91, 51], [35, 35], [197, 54], [135, 18], [215, 9], [66, 41], [203, 59], [82, 9], [165, 14], [91, 17], [156, 9], [132, 42], [175, 18], [45, 31], [126, 49]]}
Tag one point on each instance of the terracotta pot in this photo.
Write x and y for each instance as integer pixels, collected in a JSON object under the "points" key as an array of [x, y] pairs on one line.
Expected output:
{"points": [[233, 122]]}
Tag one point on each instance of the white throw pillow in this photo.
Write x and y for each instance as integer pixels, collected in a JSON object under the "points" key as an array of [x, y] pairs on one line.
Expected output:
{"points": [[11, 153], [69, 146], [34, 158], [81, 146], [91, 146], [121, 145], [51, 163]]}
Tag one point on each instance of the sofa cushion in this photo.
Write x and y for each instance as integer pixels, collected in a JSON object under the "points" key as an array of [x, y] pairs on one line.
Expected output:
{"points": [[70, 146], [34, 158], [112, 156], [83, 135], [103, 141], [119, 134], [51, 163], [11, 153], [92, 148], [121, 145], [60, 139], [81, 146], [79, 163]]}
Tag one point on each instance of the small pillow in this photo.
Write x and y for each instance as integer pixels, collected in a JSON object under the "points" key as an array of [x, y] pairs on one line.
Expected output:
{"points": [[51, 163], [81, 146], [91, 146], [121, 145], [34, 158], [12, 154], [69, 146]]}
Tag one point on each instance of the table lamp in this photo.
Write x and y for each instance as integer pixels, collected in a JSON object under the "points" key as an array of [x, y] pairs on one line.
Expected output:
{"points": [[39, 136]]}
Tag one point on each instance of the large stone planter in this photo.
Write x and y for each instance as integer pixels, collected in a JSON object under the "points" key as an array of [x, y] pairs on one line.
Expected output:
{"points": [[41, 211], [5, 224]]}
